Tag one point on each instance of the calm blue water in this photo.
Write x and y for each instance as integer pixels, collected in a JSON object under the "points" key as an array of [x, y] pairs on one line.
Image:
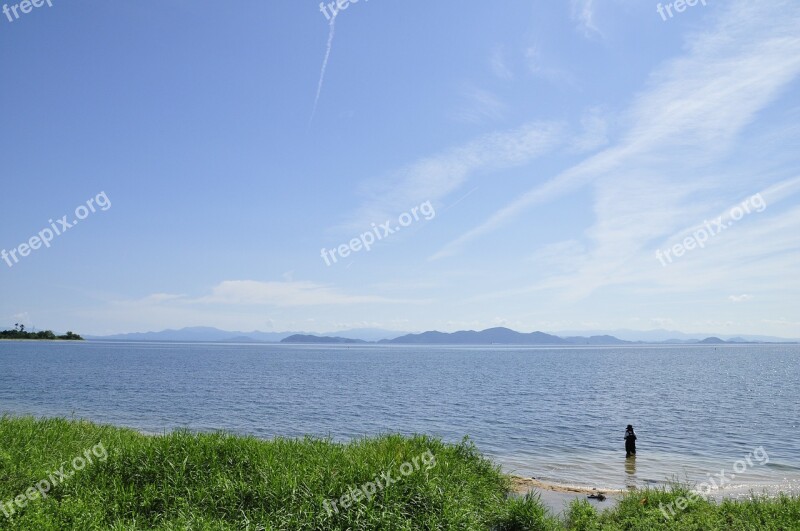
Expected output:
{"points": [[558, 414]]}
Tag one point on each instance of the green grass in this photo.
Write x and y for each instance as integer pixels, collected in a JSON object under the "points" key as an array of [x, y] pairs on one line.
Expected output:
{"points": [[642, 511], [216, 481]]}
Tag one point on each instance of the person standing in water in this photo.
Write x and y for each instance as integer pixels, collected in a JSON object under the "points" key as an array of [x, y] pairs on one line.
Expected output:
{"points": [[630, 441]]}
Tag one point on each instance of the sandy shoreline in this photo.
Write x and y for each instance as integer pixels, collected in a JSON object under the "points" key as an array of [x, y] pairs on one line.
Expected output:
{"points": [[558, 497], [522, 485]]}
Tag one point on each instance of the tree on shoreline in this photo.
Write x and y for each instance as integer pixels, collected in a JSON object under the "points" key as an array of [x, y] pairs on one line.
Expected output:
{"points": [[20, 333]]}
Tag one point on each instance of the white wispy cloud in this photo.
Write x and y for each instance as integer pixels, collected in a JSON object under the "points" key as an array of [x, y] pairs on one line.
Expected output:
{"points": [[499, 64], [594, 131], [434, 177], [583, 12], [783, 322], [286, 293], [328, 48], [562, 256], [690, 115], [747, 254], [158, 298], [480, 106], [541, 67], [566, 182]]}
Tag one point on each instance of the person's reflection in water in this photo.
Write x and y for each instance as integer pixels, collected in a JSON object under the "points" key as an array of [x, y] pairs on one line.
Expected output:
{"points": [[630, 473]]}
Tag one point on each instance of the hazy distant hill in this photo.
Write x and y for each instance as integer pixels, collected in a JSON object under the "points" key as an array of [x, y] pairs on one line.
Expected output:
{"points": [[199, 333], [491, 336], [670, 336], [596, 340], [367, 334], [327, 340], [210, 334]]}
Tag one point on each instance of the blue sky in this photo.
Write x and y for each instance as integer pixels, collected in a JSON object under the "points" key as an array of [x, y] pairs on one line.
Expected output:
{"points": [[559, 146]]}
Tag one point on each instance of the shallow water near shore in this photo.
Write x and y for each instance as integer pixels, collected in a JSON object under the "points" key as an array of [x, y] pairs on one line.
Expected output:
{"points": [[555, 414]]}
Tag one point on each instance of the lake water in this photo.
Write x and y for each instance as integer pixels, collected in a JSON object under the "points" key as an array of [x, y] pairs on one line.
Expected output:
{"points": [[557, 414]]}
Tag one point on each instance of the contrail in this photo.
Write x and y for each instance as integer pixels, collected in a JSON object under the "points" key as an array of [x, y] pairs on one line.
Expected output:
{"points": [[324, 64]]}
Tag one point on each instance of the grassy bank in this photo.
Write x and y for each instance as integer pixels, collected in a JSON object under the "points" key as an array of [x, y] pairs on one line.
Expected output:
{"points": [[120, 479]]}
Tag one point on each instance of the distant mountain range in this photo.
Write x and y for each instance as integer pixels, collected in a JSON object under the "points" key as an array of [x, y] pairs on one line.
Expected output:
{"points": [[491, 336]]}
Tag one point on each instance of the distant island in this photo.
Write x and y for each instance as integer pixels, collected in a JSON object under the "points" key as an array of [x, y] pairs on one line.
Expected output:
{"points": [[20, 333], [490, 336]]}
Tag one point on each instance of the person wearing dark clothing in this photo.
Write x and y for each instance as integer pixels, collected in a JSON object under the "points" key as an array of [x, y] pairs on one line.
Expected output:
{"points": [[630, 441]]}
